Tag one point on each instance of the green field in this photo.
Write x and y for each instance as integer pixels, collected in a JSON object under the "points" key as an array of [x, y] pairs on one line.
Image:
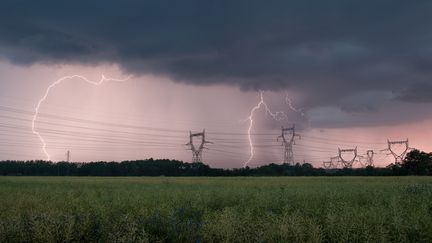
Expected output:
{"points": [[266, 209]]}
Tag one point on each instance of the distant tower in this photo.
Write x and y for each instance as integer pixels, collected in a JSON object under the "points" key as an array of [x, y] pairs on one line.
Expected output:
{"points": [[398, 157], [197, 152], [369, 158], [68, 156], [348, 163], [333, 163], [288, 143], [327, 165]]}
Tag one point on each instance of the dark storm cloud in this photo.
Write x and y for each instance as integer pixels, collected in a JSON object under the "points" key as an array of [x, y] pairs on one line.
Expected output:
{"points": [[326, 49], [416, 93]]}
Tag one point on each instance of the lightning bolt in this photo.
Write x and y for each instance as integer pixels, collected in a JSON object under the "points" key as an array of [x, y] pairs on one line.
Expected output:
{"points": [[288, 101], [278, 116], [47, 91]]}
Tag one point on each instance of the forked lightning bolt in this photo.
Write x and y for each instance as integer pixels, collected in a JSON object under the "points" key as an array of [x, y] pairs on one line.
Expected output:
{"points": [[288, 101], [278, 116], [47, 91]]}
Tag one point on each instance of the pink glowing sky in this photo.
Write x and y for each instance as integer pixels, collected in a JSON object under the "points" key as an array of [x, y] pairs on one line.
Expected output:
{"points": [[150, 116]]}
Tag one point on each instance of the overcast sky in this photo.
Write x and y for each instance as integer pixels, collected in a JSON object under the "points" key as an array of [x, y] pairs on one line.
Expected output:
{"points": [[360, 71]]}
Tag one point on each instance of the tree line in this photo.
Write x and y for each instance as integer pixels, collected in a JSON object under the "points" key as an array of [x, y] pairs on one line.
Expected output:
{"points": [[415, 163]]}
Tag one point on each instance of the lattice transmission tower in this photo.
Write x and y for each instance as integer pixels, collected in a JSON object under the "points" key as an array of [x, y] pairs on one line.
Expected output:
{"points": [[347, 163], [369, 158], [333, 163], [197, 151], [327, 165], [288, 140], [366, 159], [398, 157]]}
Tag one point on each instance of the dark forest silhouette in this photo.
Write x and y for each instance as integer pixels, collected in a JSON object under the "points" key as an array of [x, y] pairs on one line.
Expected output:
{"points": [[415, 163]]}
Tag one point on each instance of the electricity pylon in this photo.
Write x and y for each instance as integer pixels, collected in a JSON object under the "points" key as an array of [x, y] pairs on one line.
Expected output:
{"points": [[366, 159], [333, 163], [348, 163], [369, 158], [398, 157], [336, 162], [288, 143], [327, 164], [197, 152]]}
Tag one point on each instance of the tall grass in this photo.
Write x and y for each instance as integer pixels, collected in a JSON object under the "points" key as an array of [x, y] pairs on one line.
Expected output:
{"points": [[276, 209]]}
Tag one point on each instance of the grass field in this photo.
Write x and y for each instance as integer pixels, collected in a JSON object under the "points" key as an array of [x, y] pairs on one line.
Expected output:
{"points": [[161, 209]]}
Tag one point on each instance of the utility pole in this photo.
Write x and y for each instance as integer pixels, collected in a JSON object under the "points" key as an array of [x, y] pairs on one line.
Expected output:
{"points": [[288, 143], [197, 152], [347, 163], [398, 157]]}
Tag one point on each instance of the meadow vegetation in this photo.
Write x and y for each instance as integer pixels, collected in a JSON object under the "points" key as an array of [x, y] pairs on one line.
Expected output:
{"points": [[223, 209]]}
